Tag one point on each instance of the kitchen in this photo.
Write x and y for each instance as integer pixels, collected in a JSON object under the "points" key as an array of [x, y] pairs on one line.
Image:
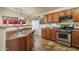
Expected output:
{"points": [[41, 29]]}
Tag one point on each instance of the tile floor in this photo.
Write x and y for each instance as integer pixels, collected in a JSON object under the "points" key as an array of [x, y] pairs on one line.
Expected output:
{"points": [[47, 45]]}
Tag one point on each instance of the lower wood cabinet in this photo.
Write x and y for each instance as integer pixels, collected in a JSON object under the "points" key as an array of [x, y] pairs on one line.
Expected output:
{"points": [[13, 45], [29, 42], [49, 34], [75, 39], [21, 44], [53, 35]]}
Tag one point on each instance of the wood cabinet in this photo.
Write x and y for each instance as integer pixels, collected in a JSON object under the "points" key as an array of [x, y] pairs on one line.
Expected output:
{"points": [[53, 35], [49, 34], [75, 38], [45, 18], [68, 12], [50, 18], [43, 32], [76, 15], [57, 15], [62, 13], [13, 45], [21, 44], [29, 42], [55, 18]]}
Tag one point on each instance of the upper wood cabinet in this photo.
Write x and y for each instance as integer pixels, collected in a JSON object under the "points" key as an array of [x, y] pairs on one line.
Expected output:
{"points": [[62, 13], [68, 12], [76, 15], [45, 18], [50, 18], [55, 18]]}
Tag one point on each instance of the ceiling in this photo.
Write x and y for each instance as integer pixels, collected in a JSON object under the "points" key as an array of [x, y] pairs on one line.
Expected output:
{"points": [[32, 11]]}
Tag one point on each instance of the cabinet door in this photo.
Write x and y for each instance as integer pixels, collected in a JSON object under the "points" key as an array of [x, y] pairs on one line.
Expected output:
{"points": [[45, 18], [62, 13], [47, 34], [50, 18], [76, 15], [55, 18], [43, 33], [14, 45], [22, 44], [29, 42], [75, 39], [68, 12], [53, 35], [8, 45]]}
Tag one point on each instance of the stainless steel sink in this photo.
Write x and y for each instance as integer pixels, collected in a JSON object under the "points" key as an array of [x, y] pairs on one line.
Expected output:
{"points": [[21, 33]]}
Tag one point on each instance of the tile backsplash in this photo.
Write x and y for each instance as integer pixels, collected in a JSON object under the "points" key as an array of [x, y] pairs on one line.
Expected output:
{"points": [[49, 25]]}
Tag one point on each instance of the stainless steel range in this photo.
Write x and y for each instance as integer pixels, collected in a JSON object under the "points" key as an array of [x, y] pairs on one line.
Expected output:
{"points": [[64, 31], [64, 37]]}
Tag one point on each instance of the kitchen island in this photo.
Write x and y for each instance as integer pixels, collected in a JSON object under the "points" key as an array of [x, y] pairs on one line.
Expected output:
{"points": [[20, 42]]}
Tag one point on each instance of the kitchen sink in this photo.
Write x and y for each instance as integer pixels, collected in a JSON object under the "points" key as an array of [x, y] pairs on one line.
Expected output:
{"points": [[22, 33]]}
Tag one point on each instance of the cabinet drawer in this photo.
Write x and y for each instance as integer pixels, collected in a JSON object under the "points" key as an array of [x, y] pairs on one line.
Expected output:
{"points": [[75, 33]]}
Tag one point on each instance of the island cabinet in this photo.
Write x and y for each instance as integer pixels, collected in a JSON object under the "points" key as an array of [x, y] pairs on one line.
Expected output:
{"points": [[24, 43], [76, 15], [13, 45], [75, 39], [29, 42]]}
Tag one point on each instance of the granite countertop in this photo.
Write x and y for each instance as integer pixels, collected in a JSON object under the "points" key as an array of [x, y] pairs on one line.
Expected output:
{"points": [[75, 29], [17, 36]]}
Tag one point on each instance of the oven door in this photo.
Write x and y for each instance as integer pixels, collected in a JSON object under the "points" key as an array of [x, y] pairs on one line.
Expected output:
{"points": [[63, 36]]}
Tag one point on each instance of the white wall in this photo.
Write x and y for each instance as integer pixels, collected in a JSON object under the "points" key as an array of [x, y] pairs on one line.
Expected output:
{"points": [[2, 40]]}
